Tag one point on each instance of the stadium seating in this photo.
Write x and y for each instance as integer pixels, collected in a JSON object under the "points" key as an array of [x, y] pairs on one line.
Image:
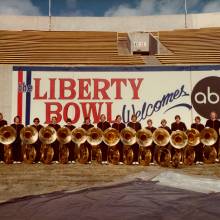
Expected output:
{"points": [[187, 46], [191, 46], [63, 47]]}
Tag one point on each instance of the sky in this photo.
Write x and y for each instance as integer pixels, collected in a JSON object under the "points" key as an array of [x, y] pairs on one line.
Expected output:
{"points": [[106, 7]]}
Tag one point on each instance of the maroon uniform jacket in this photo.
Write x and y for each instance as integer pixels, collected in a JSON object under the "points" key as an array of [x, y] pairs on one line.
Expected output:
{"points": [[118, 126], [198, 127], [136, 126], [103, 125], [213, 124], [3, 122], [181, 126], [71, 127], [55, 126], [152, 129], [166, 128], [87, 127], [38, 127]]}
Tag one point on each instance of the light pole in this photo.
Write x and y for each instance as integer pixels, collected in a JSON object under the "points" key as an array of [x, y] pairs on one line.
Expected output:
{"points": [[49, 12], [186, 14]]}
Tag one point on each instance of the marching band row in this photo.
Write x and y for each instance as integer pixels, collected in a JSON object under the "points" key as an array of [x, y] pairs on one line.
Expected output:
{"points": [[116, 143]]}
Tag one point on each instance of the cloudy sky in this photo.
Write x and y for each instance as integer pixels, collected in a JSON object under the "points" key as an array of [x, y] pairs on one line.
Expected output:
{"points": [[106, 7]]}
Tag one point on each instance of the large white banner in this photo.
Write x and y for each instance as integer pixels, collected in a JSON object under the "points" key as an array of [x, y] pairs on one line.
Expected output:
{"points": [[154, 93]]}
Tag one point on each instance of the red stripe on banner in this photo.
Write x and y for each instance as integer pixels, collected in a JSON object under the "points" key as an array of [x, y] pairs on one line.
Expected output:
{"points": [[20, 93]]}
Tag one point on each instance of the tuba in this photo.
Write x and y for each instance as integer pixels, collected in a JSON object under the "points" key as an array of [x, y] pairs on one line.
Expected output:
{"points": [[95, 137], [144, 140], [208, 138], [7, 137], [161, 138], [193, 140], [128, 138], [63, 137], [29, 136], [111, 137], [193, 137], [47, 136], [178, 140], [79, 137]]}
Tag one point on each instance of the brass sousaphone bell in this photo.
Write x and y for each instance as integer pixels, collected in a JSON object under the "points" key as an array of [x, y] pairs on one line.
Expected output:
{"points": [[79, 137], [144, 140], [47, 136], [178, 140], [209, 137], [95, 137], [111, 137], [29, 136], [128, 138], [161, 138], [64, 137], [193, 140], [7, 137]]}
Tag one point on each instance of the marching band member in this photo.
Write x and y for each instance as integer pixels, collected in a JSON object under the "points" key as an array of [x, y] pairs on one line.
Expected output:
{"points": [[55, 144], [197, 125], [178, 124], [214, 123], [152, 147], [2, 123], [135, 147], [103, 125], [118, 125], [167, 128], [199, 148], [87, 125], [150, 126], [70, 145], [37, 144], [16, 145], [164, 125]]}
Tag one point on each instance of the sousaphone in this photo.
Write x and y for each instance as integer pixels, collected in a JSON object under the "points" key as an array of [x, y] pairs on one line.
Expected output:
{"points": [[178, 140], [161, 138], [79, 137], [144, 140], [95, 137], [111, 137], [128, 138], [7, 137], [63, 137], [47, 136], [193, 140], [208, 138], [29, 136]]}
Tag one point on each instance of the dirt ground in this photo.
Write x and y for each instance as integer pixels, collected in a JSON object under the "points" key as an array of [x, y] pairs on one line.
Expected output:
{"points": [[18, 180]]}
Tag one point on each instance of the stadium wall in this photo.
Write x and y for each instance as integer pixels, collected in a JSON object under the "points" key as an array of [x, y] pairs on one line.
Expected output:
{"points": [[119, 24], [6, 91], [161, 92]]}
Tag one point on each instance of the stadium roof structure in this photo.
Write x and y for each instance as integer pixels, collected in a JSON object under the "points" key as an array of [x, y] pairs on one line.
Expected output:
{"points": [[177, 47]]}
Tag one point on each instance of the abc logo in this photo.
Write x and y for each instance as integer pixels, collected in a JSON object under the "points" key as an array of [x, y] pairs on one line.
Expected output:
{"points": [[206, 96]]}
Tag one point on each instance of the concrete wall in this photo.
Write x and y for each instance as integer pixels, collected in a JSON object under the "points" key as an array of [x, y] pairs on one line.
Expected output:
{"points": [[5, 91], [24, 23], [120, 24]]}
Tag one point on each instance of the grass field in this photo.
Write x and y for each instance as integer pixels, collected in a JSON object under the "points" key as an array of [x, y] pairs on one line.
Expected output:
{"points": [[18, 180]]}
